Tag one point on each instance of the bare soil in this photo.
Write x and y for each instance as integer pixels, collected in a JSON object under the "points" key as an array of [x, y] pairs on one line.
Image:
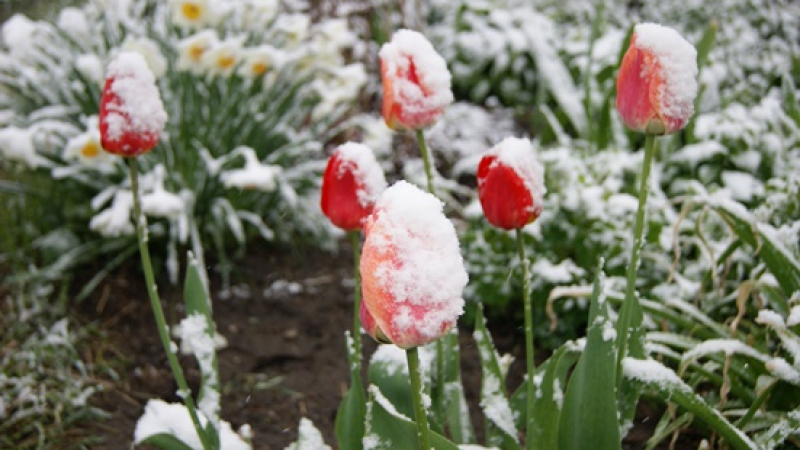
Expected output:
{"points": [[285, 357]]}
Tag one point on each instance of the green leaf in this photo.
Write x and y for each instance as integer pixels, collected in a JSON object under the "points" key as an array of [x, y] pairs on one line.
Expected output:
{"points": [[778, 259], [386, 429], [195, 295], [349, 426], [550, 378], [166, 441], [589, 415], [780, 431], [672, 389], [447, 392], [706, 43], [500, 428], [388, 371]]}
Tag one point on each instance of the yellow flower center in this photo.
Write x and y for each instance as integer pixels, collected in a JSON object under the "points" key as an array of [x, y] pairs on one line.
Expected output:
{"points": [[191, 11], [196, 52], [225, 61], [90, 150], [260, 68]]}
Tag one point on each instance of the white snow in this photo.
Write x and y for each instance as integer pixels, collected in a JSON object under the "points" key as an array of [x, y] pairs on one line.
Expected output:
{"points": [[139, 109], [495, 405], [254, 174], [742, 186], [159, 202], [727, 346], [418, 262], [360, 159], [150, 52], [782, 369], [17, 144], [384, 402], [677, 59], [770, 318], [433, 91], [651, 371], [115, 221], [308, 437], [794, 316], [518, 155], [694, 154], [173, 418]]}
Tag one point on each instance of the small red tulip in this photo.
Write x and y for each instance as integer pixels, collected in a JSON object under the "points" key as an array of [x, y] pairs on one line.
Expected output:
{"points": [[657, 81], [351, 183], [416, 82], [511, 184], [412, 272], [132, 115]]}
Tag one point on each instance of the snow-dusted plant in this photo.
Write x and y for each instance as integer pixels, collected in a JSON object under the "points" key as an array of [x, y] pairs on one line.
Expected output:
{"points": [[252, 91]]}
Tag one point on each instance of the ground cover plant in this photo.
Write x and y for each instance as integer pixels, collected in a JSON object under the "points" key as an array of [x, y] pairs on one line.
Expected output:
{"points": [[667, 265]]}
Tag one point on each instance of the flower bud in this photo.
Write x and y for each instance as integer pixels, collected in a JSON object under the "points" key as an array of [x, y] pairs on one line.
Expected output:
{"points": [[351, 183], [411, 269], [132, 115], [511, 184], [416, 82], [657, 81]]}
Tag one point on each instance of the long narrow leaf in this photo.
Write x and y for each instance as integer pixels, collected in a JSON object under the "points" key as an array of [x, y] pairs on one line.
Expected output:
{"points": [[589, 416], [671, 388]]}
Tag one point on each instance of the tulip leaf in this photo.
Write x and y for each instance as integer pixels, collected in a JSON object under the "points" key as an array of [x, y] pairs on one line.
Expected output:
{"points": [[780, 431], [387, 429], [388, 370], [706, 43], [349, 426], [195, 295], [456, 419], [778, 259], [165, 441], [500, 428], [550, 377], [670, 388], [589, 414]]}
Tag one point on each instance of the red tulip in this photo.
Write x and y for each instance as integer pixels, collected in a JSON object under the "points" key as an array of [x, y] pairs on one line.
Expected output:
{"points": [[657, 81], [511, 184], [351, 183], [132, 115], [411, 269], [416, 82]]}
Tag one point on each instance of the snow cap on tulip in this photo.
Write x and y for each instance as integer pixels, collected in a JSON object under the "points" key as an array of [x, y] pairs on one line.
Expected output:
{"points": [[412, 272], [132, 115], [511, 184], [416, 81], [657, 81], [352, 181]]}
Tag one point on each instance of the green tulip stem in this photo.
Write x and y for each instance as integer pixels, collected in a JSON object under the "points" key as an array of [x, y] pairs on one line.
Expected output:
{"points": [[528, 311], [158, 311], [423, 434], [426, 160], [631, 300], [355, 366]]}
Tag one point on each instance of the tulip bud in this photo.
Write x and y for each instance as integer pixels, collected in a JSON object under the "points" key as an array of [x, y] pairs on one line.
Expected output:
{"points": [[511, 184], [351, 183], [411, 269], [132, 115], [657, 81], [416, 82]]}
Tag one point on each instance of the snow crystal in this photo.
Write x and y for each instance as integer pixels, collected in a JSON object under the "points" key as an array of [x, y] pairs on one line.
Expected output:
{"points": [[139, 109], [770, 318], [172, 418], [518, 154], [495, 406], [727, 346], [17, 144], [308, 437], [433, 92], [782, 369], [609, 333], [694, 154], [678, 61], [794, 316], [116, 220], [369, 175], [742, 186], [254, 174], [419, 262], [651, 371]]}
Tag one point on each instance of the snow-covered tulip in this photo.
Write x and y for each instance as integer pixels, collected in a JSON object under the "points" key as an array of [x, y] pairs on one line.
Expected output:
{"points": [[416, 82], [412, 272], [351, 183], [511, 184], [657, 81], [132, 115]]}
